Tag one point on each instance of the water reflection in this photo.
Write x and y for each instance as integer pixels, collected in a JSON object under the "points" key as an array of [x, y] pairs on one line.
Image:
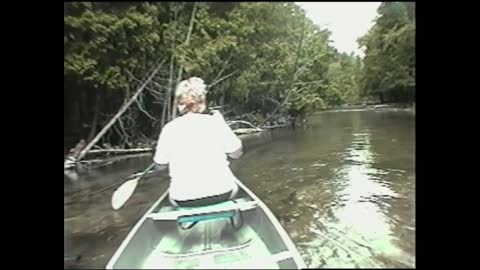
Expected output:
{"points": [[357, 229], [344, 204], [361, 215]]}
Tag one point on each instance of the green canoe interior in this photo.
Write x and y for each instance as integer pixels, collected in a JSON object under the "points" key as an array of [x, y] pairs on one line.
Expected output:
{"points": [[159, 244]]}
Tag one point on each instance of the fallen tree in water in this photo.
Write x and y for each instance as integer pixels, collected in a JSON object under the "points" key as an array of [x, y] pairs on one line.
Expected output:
{"points": [[120, 151], [96, 153], [79, 152], [70, 162], [242, 131], [117, 115]]}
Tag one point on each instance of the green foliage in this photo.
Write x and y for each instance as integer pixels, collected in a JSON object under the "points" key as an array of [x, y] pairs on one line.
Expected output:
{"points": [[102, 41], [389, 63]]}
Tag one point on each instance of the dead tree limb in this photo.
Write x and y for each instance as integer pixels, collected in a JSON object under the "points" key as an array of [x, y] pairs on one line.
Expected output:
{"points": [[168, 93], [274, 126], [241, 122], [273, 100], [139, 105], [217, 80], [93, 128], [154, 92], [74, 152], [125, 134], [120, 151], [119, 113], [241, 131]]}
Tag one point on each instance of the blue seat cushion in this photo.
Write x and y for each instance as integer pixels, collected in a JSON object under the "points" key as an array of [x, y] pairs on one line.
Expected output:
{"points": [[208, 216]]}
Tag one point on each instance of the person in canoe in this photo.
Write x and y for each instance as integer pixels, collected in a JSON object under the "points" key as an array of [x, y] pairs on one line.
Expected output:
{"points": [[196, 147]]}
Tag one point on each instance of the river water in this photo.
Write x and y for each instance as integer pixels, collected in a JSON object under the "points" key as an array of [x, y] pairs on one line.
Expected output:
{"points": [[343, 187]]}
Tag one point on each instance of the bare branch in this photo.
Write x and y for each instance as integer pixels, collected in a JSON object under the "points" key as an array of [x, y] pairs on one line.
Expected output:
{"points": [[241, 122], [216, 80], [122, 128], [139, 100], [274, 126], [146, 87], [144, 111], [273, 100], [221, 79]]}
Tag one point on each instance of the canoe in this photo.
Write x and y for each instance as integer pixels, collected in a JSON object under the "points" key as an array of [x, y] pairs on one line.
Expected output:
{"points": [[241, 233]]}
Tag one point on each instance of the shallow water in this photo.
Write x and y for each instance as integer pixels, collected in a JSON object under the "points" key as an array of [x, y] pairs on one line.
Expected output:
{"points": [[343, 187]]}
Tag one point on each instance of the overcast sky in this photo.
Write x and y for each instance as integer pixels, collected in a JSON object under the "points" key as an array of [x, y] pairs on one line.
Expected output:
{"points": [[346, 20]]}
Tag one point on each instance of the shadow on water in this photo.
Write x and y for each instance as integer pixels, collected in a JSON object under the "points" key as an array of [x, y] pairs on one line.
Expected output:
{"points": [[343, 187]]}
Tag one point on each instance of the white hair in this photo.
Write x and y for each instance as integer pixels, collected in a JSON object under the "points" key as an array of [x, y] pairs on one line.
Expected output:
{"points": [[193, 86]]}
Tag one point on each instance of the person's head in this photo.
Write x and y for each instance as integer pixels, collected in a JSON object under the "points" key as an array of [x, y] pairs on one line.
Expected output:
{"points": [[191, 95]]}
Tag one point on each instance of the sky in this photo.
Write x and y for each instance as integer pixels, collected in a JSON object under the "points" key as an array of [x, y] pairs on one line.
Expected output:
{"points": [[346, 20]]}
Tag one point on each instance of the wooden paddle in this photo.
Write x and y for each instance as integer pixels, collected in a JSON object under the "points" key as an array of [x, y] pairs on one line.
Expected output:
{"points": [[123, 193]]}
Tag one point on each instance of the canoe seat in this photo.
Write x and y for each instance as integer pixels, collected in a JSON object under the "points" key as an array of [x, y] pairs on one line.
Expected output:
{"points": [[192, 220], [211, 214], [226, 209]]}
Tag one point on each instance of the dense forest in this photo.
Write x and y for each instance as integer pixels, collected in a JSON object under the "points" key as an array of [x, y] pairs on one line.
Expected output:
{"points": [[264, 62]]}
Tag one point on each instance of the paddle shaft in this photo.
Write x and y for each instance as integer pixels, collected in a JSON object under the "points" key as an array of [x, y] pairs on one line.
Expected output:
{"points": [[146, 170]]}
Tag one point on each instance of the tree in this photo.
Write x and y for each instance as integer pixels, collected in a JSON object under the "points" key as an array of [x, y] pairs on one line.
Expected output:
{"points": [[389, 63], [262, 60]]}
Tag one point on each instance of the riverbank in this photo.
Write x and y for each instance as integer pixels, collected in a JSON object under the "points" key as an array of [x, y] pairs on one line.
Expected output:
{"points": [[100, 154], [386, 106]]}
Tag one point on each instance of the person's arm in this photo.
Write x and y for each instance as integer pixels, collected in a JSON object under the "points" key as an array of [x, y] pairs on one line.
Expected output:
{"points": [[162, 152], [232, 144]]}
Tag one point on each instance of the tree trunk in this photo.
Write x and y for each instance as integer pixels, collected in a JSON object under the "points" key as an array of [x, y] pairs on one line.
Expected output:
{"points": [[180, 70], [74, 152], [93, 128], [380, 95], [119, 113], [168, 94], [164, 109], [222, 99], [83, 112]]}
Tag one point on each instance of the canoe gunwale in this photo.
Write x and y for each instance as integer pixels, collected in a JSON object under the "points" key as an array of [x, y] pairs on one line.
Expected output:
{"points": [[278, 227], [134, 230]]}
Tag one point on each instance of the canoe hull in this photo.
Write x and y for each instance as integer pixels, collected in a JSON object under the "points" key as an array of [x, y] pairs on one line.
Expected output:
{"points": [[157, 241]]}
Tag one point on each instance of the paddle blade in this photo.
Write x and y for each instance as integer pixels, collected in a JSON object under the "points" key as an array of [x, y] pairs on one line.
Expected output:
{"points": [[123, 193]]}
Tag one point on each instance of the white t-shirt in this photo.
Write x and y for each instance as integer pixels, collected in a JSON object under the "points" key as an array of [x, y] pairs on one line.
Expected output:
{"points": [[195, 146]]}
